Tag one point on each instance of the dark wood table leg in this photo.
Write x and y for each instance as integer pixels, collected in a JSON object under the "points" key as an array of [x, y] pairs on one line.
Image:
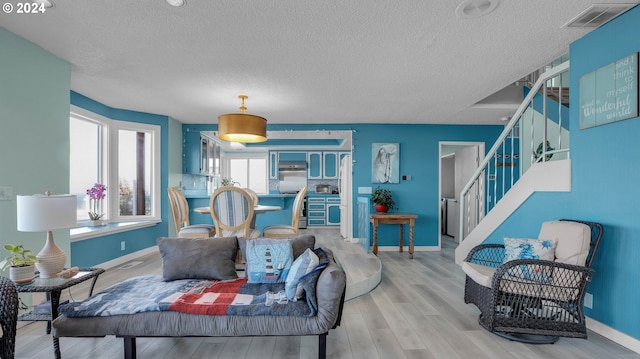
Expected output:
{"points": [[375, 237], [411, 239], [401, 244]]}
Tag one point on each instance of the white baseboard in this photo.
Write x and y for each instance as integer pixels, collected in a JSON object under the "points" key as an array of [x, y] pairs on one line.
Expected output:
{"points": [[623, 339], [131, 256]]}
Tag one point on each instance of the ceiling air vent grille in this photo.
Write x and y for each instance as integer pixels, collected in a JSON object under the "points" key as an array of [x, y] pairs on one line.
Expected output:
{"points": [[598, 14]]}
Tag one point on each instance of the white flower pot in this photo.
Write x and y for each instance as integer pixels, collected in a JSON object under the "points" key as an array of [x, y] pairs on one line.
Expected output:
{"points": [[22, 275]]}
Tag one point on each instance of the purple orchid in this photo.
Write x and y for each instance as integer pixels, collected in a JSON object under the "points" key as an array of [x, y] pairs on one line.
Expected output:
{"points": [[96, 194]]}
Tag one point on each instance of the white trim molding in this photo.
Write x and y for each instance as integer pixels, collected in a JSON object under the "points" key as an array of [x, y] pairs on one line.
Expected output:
{"points": [[623, 339]]}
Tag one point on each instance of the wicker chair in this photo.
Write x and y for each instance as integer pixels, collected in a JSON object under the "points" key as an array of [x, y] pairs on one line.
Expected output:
{"points": [[8, 317], [535, 311]]}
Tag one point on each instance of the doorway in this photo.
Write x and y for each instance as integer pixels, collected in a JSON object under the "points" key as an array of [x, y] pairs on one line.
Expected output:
{"points": [[457, 163]]}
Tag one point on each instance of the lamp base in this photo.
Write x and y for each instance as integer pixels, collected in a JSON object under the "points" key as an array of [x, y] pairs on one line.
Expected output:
{"points": [[51, 259]]}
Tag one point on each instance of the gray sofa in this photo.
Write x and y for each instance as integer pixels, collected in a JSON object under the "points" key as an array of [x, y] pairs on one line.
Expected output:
{"points": [[330, 291]]}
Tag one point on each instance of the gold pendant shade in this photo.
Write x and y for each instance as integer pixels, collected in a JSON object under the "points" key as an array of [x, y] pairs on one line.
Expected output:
{"points": [[242, 127]]}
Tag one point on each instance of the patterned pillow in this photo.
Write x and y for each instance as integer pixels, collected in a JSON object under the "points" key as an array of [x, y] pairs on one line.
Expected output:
{"points": [[522, 248], [268, 260], [304, 264]]}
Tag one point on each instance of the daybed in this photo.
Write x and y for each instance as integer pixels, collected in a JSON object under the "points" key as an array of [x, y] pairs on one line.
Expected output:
{"points": [[328, 297]]}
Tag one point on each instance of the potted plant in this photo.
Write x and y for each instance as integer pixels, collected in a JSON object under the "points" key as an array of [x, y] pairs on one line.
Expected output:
{"points": [[96, 194], [20, 263], [382, 199]]}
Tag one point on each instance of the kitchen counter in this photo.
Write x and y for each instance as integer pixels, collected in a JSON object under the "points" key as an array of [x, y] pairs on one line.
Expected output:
{"points": [[204, 194]]}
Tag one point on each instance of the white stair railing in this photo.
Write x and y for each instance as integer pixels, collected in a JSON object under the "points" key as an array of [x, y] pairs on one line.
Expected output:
{"points": [[536, 133]]}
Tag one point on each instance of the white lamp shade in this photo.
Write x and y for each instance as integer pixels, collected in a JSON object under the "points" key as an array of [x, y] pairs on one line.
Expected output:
{"points": [[41, 213]]}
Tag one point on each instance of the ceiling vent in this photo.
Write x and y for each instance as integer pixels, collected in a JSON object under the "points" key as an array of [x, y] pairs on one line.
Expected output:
{"points": [[598, 14]]}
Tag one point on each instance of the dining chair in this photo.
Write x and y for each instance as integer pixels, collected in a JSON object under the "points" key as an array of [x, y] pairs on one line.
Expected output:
{"points": [[253, 195], [180, 209], [288, 231], [232, 212]]}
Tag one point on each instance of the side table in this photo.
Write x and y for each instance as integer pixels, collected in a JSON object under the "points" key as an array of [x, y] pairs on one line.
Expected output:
{"points": [[393, 218], [53, 287]]}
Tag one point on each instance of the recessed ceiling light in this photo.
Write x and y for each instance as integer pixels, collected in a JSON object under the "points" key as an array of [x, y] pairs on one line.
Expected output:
{"points": [[470, 9], [176, 2]]}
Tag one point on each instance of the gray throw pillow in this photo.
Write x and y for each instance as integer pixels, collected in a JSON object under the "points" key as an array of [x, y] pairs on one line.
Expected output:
{"points": [[186, 258], [298, 245]]}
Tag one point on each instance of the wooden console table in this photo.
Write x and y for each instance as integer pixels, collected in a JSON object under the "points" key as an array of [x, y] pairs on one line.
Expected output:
{"points": [[393, 218]]}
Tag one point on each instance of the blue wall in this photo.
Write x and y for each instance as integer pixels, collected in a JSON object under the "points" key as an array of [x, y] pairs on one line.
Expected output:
{"points": [[605, 175], [419, 158], [89, 252]]}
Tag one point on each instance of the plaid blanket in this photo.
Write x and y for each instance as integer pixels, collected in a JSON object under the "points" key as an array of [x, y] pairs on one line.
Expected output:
{"points": [[194, 296]]}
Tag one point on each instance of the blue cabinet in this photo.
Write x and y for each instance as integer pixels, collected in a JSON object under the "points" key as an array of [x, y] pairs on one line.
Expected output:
{"points": [[316, 211], [314, 161], [191, 143], [333, 211], [322, 165], [273, 165], [323, 210], [292, 156], [330, 165]]}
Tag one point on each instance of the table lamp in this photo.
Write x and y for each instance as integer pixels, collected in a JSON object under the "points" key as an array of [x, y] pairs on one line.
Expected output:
{"points": [[44, 213]]}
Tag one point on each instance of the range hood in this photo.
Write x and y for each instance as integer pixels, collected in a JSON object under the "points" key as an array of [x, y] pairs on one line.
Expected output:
{"points": [[292, 166]]}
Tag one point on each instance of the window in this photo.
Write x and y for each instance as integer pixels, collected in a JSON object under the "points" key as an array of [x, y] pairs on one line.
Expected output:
{"points": [[249, 171], [125, 156], [86, 154]]}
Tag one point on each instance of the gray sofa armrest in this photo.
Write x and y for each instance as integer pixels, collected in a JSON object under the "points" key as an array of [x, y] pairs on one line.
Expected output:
{"points": [[330, 292]]}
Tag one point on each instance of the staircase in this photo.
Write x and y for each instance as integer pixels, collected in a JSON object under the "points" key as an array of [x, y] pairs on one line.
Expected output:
{"points": [[531, 154]]}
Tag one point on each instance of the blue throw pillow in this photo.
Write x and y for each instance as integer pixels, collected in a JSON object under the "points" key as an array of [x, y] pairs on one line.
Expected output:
{"points": [[522, 248], [268, 260], [304, 264]]}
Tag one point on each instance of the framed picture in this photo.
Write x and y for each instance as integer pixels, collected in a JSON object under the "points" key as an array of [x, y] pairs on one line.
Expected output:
{"points": [[385, 163]]}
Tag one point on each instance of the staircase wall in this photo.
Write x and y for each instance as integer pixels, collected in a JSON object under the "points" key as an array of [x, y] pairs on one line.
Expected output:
{"points": [[554, 176]]}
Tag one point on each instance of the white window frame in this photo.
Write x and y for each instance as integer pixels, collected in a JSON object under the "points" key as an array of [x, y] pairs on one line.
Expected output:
{"points": [[109, 163], [154, 130], [226, 163]]}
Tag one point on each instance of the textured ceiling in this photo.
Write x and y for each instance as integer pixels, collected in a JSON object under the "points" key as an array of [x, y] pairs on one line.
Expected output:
{"points": [[301, 61]]}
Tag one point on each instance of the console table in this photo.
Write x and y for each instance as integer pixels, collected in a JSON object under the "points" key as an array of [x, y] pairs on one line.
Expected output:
{"points": [[393, 218]]}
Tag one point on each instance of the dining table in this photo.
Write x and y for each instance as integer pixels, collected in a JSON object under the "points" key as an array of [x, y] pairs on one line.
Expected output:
{"points": [[257, 209]]}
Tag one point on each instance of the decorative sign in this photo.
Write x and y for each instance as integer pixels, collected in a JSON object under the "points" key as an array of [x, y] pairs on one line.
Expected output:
{"points": [[610, 93]]}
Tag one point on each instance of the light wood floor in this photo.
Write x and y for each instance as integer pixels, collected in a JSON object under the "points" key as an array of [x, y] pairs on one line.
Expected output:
{"points": [[416, 311]]}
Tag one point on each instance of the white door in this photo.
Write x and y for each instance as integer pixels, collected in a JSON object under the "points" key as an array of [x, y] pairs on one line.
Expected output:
{"points": [[466, 162]]}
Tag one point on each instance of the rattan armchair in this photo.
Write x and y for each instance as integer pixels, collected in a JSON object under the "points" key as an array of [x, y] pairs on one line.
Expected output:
{"points": [[534, 311], [8, 317]]}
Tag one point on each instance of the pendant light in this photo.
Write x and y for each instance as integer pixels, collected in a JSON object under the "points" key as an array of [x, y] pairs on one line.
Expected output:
{"points": [[242, 127]]}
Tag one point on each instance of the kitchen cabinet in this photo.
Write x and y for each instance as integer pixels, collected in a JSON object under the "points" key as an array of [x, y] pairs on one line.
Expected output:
{"points": [[209, 156], [191, 152], [322, 165], [314, 163], [292, 156], [273, 165], [333, 211], [316, 211], [323, 210], [329, 165]]}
